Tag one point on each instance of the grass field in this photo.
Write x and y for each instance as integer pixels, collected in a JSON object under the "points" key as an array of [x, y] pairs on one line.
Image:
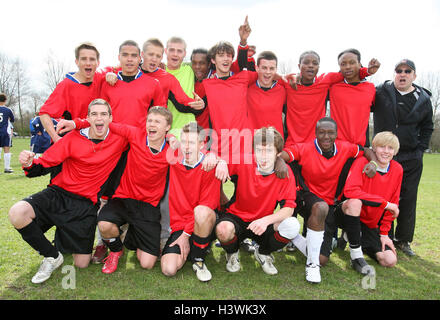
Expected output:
{"points": [[416, 278]]}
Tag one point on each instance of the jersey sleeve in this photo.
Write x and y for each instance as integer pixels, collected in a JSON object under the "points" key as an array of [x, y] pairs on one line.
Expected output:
{"points": [[124, 130], [294, 152], [354, 186], [288, 192], [52, 157], [388, 218]]}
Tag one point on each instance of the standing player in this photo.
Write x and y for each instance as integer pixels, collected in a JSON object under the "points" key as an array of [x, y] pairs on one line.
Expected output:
{"points": [[322, 164], [70, 201], [176, 52], [266, 98], [152, 54], [306, 103], [6, 118], [200, 63], [41, 140], [192, 215], [135, 93], [351, 100], [71, 97], [373, 204], [251, 214]]}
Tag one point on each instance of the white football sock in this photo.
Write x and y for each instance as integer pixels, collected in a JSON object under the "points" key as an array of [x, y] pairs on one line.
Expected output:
{"points": [[356, 253], [301, 243], [7, 160], [314, 240]]}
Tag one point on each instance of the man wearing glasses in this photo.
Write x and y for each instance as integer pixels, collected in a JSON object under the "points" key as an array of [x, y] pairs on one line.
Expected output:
{"points": [[405, 109]]}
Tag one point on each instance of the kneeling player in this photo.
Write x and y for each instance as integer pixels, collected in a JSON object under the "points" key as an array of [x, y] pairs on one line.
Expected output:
{"points": [[194, 194], [70, 201], [373, 202], [258, 192]]}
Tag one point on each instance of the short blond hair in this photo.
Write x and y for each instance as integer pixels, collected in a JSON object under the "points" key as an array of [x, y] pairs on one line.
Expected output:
{"points": [[386, 138], [154, 42], [163, 112]]}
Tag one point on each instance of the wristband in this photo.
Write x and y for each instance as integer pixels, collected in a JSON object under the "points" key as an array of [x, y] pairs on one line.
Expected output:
{"points": [[187, 234]]}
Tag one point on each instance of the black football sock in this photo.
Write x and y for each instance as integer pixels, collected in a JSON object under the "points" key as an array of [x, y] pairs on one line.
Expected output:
{"points": [[352, 226], [34, 236], [231, 246], [114, 244], [199, 247]]}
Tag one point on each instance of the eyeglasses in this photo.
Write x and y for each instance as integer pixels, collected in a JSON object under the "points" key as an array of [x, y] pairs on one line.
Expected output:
{"points": [[407, 71]]}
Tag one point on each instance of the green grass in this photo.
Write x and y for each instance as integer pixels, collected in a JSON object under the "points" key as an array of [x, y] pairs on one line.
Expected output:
{"points": [[413, 278]]}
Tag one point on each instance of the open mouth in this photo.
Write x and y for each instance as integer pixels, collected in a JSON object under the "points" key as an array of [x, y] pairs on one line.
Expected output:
{"points": [[99, 127]]}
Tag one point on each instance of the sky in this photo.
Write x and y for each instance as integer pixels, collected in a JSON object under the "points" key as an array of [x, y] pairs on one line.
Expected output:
{"points": [[388, 30]]}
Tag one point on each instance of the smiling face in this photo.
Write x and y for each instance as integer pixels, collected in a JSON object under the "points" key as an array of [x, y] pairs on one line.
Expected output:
{"points": [[326, 134], [87, 64], [223, 63], [99, 118], [404, 77], [199, 64], [152, 57], [190, 145], [309, 67], [266, 70], [129, 59], [350, 67], [384, 155], [175, 51], [157, 127]]}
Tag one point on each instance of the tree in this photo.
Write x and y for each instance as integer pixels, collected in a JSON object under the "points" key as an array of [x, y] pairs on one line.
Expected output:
{"points": [[55, 71], [431, 81]]}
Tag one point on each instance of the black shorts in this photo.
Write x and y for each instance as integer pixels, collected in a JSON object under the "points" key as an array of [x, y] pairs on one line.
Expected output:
{"points": [[305, 201], [144, 223], [74, 217], [370, 241], [242, 232]]}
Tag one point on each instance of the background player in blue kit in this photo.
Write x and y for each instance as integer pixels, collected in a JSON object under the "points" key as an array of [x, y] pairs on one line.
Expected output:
{"points": [[6, 118]]}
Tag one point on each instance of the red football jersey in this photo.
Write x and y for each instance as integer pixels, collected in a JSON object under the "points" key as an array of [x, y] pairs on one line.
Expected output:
{"points": [[72, 96], [189, 188], [169, 83], [86, 165], [305, 106], [203, 118], [257, 196], [145, 173], [375, 193], [320, 174], [227, 101], [350, 107], [130, 101], [265, 108]]}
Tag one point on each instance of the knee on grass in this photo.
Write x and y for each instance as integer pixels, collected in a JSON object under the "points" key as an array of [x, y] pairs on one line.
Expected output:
{"points": [[387, 259]]}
